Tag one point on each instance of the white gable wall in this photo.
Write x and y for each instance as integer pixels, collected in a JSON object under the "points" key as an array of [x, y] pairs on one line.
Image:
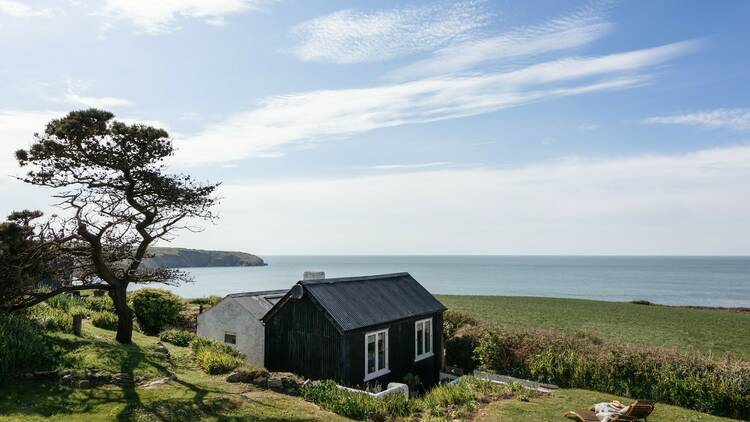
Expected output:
{"points": [[228, 316]]}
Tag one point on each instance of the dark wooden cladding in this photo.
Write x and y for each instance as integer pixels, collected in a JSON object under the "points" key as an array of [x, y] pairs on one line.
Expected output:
{"points": [[300, 339]]}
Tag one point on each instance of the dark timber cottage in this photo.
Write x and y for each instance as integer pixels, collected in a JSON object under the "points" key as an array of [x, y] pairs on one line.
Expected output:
{"points": [[357, 330]]}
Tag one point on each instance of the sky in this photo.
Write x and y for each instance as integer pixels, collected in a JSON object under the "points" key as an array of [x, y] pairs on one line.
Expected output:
{"points": [[411, 127]]}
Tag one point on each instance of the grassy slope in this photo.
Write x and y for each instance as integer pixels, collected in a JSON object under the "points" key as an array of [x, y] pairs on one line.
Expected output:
{"points": [[709, 331], [551, 408], [194, 396]]}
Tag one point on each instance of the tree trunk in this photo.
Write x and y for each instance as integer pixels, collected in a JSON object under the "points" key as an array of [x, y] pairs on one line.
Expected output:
{"points": [[124, 318]]}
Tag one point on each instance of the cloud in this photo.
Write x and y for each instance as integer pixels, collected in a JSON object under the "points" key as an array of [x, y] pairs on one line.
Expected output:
{"points": [[731, 118], [320, 115], [18, 9], [349, 36], [414, 166], [572, 206], [97, 102], [574, 30], [158, 16], [17, 129]]}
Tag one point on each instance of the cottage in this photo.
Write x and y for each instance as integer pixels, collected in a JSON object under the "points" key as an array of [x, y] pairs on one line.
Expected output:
{"points": [[357, 330], [236, 321]]}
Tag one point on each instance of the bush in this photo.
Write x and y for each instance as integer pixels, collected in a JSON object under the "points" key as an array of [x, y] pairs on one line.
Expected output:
{"points": [[177, 337], [215, 357], [688, 380], [51, 319], [79, 310], [459, 349], [104, 320], [99, 303], [216, 362], [22, 345], [156, 309], [356, 405], [454, 319], [63, 301], [199, 343], [210, 300]]}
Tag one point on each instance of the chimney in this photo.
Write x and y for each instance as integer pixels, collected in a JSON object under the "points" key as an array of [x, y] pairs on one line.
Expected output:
{"points": [[313, 275]]}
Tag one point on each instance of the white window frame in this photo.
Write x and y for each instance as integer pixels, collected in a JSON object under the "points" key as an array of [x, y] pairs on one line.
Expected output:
{"points": [[379, 372], [425, 354]]}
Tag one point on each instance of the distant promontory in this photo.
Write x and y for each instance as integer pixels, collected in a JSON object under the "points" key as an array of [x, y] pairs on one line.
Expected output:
{"points": [[182, 258]]}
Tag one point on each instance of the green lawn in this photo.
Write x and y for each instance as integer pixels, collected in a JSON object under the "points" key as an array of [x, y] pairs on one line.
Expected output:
{"points": [[709, 331], [551, 408], [194, 396]]}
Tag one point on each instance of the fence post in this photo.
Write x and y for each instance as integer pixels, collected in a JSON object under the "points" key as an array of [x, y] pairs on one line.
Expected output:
{"points": [[77, 322]]}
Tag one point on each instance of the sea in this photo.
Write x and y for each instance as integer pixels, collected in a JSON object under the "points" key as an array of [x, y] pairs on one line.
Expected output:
{"points": [[669, 280]]}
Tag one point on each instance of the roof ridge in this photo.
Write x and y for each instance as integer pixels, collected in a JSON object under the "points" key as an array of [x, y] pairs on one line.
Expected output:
{"points": [[259, 293], [354, 278]]}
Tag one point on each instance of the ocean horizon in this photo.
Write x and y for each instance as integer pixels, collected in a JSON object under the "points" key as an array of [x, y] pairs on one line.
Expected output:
{"points": [[720, 281]]}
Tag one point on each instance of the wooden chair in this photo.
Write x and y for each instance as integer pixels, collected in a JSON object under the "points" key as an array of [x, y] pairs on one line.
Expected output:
{"points": [[638, 410]]}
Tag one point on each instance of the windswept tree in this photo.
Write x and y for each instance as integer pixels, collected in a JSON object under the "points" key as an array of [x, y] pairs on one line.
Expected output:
{"points": [[117, 199], [27, 262]]}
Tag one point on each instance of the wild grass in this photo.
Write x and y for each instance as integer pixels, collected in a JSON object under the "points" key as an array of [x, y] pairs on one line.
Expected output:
{"points": [[22, 345], [177, 337], [214, 357], [105, 320], [690, 380]]}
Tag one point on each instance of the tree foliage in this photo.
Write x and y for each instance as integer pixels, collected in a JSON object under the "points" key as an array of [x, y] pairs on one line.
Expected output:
{"points": [[117, 199]]}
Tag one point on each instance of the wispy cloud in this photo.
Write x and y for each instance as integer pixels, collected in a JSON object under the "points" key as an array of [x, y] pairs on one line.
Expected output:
{"points": [[75, 95], [731, 118], [158, 16], [574, 30], [412, 166], [18, 9], [349, 36], [321, 115], [572, 206], [17, 128]]}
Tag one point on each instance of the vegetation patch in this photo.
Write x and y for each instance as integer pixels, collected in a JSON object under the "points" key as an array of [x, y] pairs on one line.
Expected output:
{"points": [[214, 357], [22, 345], [585, 361], [177, 337], [156, 309], [105, 320]]}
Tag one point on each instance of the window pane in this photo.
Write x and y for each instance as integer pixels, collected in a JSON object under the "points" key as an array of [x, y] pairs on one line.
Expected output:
{"points": [[428, 337], [230, 338], [420, 338], [381, 351], [370, 354]]}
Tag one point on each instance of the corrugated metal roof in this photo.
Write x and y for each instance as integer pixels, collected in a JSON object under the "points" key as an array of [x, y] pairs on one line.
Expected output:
{"points": [[258, 303], [358, 302]]}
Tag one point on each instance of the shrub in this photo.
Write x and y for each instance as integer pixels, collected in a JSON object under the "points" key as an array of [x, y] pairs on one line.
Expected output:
{"points": [[216, 362], [199, 343], [156, 309], [459, 349], [356, 405], [51, 319], [453, 319], [79, 310], [63, 301], [177, 337], [688, 380], [210, 300], [104, 320], [22, 345], [99, 303]]}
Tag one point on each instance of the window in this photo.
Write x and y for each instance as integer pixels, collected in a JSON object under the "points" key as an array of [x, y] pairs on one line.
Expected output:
{"points": [[230, 338], [376, 354], [423, 339]]}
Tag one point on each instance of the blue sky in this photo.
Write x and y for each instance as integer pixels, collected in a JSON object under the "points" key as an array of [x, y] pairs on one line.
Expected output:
{"points": [[513, 127]]}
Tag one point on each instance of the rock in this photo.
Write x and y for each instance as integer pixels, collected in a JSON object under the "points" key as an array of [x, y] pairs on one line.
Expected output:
{"points": [[275, 383], [260, 381], [64, 372], [26, 376], [158, 382], [44, 374], [84, 384], [67, 379], [236, 377]]}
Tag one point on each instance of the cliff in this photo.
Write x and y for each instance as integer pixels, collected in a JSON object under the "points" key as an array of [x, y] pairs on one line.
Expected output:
{"points": [[180, 257]]}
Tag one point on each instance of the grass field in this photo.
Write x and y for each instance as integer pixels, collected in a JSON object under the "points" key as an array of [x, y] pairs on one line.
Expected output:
{"points": [[194, 396], [551, 408], [709, 331]]}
